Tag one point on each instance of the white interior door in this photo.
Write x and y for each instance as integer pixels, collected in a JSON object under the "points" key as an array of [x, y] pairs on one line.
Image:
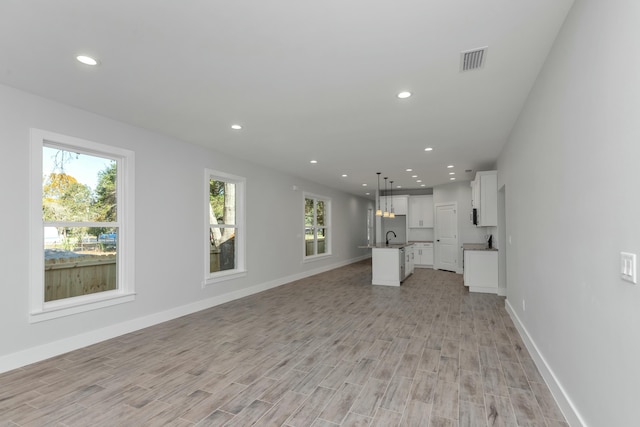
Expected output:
{"points": [[446, 237]]}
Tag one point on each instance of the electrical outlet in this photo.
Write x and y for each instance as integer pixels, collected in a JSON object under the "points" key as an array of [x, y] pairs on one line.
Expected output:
{"points": [[628, 267]]}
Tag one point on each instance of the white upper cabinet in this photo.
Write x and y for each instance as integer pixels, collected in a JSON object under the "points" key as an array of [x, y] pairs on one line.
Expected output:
{"points": [[399, 203], [484, 198], [420, 212]]}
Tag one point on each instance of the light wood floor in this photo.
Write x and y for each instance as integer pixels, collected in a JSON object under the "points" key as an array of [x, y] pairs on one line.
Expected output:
{"points": [[324, 351]]}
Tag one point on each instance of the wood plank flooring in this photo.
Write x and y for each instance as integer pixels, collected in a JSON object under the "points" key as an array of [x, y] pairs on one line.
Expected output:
{"points": [[329, 350]]}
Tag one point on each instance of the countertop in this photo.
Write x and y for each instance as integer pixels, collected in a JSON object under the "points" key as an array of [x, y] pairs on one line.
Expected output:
{"points": [[421, 241], [383, 246], [477, 247]]}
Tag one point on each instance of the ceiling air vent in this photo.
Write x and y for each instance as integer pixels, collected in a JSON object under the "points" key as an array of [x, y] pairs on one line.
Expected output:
{"points": [[473, 59]]}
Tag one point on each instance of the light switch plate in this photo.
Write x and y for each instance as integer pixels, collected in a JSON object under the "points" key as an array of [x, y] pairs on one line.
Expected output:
{"points": [[628, 267]]}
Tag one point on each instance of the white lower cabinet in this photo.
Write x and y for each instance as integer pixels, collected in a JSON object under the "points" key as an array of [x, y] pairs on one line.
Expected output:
{"points": [[409, 261], [481, 271], [390, 266], [423, 254]]}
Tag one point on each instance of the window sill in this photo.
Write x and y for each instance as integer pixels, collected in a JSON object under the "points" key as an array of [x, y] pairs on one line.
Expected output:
{"points": [[69, 306], [316, 258], [223, 277]]}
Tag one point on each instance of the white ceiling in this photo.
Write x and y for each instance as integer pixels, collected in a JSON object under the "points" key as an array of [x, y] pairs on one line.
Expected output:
{"points": [[307, 80]]}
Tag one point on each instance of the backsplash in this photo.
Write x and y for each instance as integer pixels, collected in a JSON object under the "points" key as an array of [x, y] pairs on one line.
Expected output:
{"points": [[398, 225]]}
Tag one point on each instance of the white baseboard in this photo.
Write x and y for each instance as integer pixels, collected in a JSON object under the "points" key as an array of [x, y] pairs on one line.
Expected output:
{"points": [[560, 395], [36, 354]]}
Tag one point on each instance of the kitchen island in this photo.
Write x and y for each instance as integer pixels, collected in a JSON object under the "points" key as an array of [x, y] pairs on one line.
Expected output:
{"points": [[391, 264]]}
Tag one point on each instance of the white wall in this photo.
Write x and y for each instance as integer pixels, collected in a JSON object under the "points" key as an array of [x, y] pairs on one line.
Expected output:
{"points": [[398, 225], [460, 192], [169, 195], [572, 174]]}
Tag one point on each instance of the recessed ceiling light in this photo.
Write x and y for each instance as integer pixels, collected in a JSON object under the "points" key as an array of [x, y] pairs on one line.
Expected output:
{"points": [[313, 161], [452, 173], [344, 175], [423, 185], [367, 194], [403, 95], [414, 176], [452, 179], [364, 185], [399, 186], [87, 60], [236, 127], [419, 180], [428, 149], [450, 166], [409, 170]]}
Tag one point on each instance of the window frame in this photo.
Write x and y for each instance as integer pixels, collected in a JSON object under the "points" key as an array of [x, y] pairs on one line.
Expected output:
{"points": [[327, 227], [240, 238], [39, 310]]}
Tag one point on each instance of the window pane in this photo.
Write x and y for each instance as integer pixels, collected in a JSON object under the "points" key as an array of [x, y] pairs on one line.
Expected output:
{"points": [[320, 213], [321, 241], [222, 250], [79, 261], [78, 187], [222, 198], [309, 242], [308, 212]]}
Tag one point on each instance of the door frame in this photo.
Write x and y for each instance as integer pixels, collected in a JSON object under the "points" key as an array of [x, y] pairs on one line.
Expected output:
{"points": [[435, 235], [502, 241]]}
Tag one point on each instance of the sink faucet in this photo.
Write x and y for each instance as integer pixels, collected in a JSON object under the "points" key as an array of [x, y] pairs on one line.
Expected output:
{"points": [[387, 236]]}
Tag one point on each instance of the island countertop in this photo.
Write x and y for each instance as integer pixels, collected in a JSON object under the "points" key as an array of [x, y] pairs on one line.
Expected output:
{"points": [[383, 246]]}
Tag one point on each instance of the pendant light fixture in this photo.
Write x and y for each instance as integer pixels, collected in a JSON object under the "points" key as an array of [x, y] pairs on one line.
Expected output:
{"points": [[378, 211], [391, 213], [386, 211]]}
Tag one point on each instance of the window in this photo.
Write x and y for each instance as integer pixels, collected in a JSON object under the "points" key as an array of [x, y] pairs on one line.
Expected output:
{"points": [[225, 230], [82, 212], [317, 224]]}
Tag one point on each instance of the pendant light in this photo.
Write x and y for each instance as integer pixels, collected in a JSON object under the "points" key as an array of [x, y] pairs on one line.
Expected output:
{"points": [[386, 212], [378, 211], [392, 214]]}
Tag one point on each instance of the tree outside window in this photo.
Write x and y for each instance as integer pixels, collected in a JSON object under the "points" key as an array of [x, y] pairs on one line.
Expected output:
{"points": [[78, 257], [316, 226], [222, 220], [225, 226], [82, 243]]}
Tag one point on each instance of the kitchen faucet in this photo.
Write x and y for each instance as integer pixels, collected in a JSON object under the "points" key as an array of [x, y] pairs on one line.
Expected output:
{"points": [[387, 236]]}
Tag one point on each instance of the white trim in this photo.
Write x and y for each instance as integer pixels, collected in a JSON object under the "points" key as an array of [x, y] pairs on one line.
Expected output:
{"points": [[563, 400], [313, 258], [55, 348], [80, 304], [327, 227], [39, 310], [223, 276], [241, 240]]}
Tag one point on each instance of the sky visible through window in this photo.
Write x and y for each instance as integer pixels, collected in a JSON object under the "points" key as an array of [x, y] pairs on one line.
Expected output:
{"points": [[84, 168]]}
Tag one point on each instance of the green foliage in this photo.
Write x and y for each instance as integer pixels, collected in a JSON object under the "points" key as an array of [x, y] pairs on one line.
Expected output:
{"points": [[216, 198], [310, 210], [106, 202], [65, 199]]}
